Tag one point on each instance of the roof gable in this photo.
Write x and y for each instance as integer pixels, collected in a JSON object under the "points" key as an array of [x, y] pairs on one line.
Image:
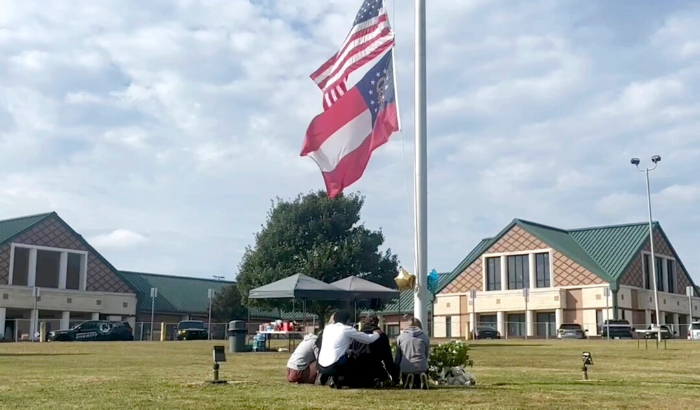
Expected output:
{"points": [[176, 294]]}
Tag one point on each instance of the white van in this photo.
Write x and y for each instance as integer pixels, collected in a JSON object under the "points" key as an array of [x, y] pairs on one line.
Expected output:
{"points": [[694, 331]]}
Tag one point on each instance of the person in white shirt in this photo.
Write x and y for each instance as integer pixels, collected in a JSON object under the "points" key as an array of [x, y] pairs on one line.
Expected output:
{"points": [[333, 359]]}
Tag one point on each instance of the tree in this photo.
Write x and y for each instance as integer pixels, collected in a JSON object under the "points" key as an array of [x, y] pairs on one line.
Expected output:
{"points": [[227, 305], [319, 237]]}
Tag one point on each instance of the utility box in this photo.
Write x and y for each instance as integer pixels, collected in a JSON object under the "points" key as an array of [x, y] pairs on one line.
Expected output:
{"points": [[236, 336]]}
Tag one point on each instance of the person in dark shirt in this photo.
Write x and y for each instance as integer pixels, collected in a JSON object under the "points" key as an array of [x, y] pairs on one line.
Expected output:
{"points": [[375, 359]]}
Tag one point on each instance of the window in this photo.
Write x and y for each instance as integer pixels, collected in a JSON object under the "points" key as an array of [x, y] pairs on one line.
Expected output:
{"points": [[647, 275], [488, 321], [542, 270], [517, 325], [88, 326], [73, 271], [48, 264], [659, 274], [448, 327], [671, 271], [46, 267], [546, 324], [20, 267], [493, 273], [518, 272]]}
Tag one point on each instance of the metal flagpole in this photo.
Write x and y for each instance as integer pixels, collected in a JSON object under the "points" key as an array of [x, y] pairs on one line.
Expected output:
{"points": [[653, 261], [421, 168]]}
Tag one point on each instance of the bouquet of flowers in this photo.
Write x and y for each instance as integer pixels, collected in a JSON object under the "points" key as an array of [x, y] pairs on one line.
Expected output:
{"points": [[447, 362]]}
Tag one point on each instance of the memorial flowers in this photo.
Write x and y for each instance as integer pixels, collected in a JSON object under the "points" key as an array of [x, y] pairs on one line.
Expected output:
{"points": [[447, 362]]}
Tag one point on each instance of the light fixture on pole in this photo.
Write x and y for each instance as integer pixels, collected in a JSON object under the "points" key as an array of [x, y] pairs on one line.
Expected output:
{"points": [[154, 294], [210, 295], [635, 161]]}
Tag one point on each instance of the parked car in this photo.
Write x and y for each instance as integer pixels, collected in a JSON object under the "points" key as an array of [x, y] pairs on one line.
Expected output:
{"points": [[486, 332], [617, 328], [93, 330], [666, 332], [694, 331], [571, 331], [191, 330]]}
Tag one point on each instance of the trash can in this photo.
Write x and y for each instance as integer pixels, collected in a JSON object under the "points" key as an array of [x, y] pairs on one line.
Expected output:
{"points": [[236, 336]]}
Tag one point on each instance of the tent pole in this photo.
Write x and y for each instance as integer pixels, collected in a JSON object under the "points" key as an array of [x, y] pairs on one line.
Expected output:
{"points": [[356, 312]]}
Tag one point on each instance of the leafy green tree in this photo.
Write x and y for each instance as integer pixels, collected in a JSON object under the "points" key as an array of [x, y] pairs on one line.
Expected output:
{"points": [[227, 305], [320, 237]]}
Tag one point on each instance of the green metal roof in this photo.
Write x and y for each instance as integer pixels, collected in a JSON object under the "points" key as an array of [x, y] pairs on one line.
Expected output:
{"points": [[606, 251], [562, 241], [613, 247], [176, 294], [10, 228]]}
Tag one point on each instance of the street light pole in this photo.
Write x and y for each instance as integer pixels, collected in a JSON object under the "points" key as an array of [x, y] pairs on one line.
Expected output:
{"points": [[635, 161], [210, 295], [154, 294]]}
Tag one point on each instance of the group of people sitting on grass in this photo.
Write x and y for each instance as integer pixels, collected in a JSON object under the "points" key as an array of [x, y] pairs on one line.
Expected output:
{"points": [[342, 356]]}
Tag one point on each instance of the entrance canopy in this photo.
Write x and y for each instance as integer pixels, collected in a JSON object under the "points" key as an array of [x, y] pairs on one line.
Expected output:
{"points": [[359, 289], [299, 286]]}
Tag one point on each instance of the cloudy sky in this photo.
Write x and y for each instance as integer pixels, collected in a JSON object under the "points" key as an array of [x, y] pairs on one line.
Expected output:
{"points": [[161, 130]]}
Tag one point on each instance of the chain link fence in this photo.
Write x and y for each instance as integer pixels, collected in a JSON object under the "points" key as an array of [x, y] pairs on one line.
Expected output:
{"points": [[547, 330]]}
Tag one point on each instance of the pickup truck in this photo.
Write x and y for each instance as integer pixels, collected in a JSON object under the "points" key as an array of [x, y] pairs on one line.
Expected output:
{"points": [[617, 328], [694, 331]]}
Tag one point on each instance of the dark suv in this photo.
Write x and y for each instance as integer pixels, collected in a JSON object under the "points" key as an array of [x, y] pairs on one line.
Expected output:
{"points": [[617, 328], [93, 330], [191, 330]]}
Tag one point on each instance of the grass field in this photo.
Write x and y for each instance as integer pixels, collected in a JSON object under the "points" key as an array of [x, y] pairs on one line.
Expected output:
{"points": [[510, 375]]}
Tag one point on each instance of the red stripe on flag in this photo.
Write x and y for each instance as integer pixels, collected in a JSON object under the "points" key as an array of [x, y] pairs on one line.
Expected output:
{"points": [[369, 57], [350, 169], [357, 50], [354, 36], [328, 122]]}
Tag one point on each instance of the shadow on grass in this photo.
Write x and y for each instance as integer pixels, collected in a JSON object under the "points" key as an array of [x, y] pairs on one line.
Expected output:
{"points": [[41, 354]]}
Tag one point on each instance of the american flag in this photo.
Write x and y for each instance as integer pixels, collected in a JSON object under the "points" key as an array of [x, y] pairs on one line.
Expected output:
{"points": [[370, 35]]}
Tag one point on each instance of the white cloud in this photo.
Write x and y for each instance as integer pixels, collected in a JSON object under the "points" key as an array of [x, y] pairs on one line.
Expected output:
{"points": [[120, 238], [181, 120]]}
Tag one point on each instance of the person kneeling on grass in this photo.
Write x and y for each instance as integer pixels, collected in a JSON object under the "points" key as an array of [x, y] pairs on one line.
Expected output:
{"points": [[375, 359], [333, 359], [412, 349], [301, 366]]}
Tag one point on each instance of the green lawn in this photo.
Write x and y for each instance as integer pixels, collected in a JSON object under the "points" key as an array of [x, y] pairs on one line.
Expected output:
{"points": [[510, 375]]}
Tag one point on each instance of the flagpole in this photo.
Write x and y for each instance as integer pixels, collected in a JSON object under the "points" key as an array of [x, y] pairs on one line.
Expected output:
{"points": [[421, 168]]}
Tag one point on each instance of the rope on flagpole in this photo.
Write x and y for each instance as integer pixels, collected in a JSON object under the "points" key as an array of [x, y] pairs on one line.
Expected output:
{"points": [[407, 192]]}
